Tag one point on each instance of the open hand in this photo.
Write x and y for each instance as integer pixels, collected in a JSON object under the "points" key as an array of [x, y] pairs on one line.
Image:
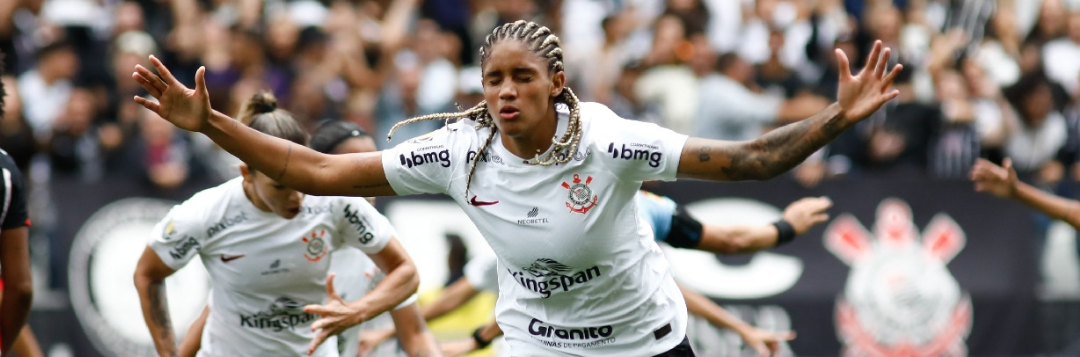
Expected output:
{"points": [[336, 316], [187, 108], [766, 343], [861, 95], [807, 212], [998, 181]]}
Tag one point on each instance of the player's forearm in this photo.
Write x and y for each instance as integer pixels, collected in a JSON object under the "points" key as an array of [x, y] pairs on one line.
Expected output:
{"points": [[297, 166], [192, 341], [700, 305], [453, 297], [737, 239], [413, 333], [1053, 206], [155, 308], [400, 282], [491, 331], [765, 157]]}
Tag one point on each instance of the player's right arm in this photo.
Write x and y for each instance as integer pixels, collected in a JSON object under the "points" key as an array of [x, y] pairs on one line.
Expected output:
{"points": [[150, 274], [1002, 182], [293, 165], [453, 297]]}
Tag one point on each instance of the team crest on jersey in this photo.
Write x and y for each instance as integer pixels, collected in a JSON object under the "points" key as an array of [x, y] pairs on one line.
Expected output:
{"points": [[580, 198], [900, 299], [316, 246], [170, 228]]}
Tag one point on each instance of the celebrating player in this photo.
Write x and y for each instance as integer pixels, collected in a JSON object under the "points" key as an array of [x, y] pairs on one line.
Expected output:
{"points": [[266, 248], [671, 224], [355, 275], [549, 182]]}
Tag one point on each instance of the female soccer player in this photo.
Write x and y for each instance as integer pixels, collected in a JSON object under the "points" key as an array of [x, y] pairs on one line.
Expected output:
{"points": [[549, 181], [355, 275], [266, 248], [669, 223]]}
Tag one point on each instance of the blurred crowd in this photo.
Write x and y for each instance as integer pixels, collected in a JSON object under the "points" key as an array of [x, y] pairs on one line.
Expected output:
{"points": [[982, 78]]}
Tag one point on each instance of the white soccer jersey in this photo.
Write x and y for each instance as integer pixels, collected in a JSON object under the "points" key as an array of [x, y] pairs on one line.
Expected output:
{"points": [[356, 275], [264, 268], [579, 272]]}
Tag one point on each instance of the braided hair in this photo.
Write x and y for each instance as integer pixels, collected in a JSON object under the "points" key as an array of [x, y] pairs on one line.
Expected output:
{"points": [[542, 42]]}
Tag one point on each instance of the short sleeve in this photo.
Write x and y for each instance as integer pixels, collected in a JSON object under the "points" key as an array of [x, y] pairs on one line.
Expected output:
{"points": [[482, 272], [657, 211], [361, 226], [424, 164], [180, 236], [13, 213], [634, 150]]}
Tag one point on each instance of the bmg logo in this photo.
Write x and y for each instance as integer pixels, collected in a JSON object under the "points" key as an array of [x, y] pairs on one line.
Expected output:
{"points": [[637, 152], [413, 159]]}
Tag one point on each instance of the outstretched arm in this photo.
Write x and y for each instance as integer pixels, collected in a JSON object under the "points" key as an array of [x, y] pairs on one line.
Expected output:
{"points": [[733, 239], [1002, 182], [780, 150], [293, 165]]}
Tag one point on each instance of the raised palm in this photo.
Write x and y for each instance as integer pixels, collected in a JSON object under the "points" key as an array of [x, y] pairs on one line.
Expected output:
{"points": [[862, 94], [187, 108]]}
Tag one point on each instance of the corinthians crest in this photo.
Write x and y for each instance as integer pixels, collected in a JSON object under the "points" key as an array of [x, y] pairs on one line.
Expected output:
{"points": [[316, 246], [900, 299], [581, 198]]}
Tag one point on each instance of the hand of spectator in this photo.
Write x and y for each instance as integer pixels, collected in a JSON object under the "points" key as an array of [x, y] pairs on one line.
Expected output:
{"points": [[861, 95], [807, 212], [188, 109], [766, 343], [998, 181], [457, 348]]}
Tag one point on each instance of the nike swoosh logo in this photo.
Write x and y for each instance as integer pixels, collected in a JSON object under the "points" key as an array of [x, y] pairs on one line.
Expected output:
{"points": [[226, 259], [474, 202]]}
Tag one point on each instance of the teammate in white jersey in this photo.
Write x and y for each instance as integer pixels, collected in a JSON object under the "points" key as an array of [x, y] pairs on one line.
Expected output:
{"points": [[548, 181], [267, 249], [670, 224], [355, 275]]}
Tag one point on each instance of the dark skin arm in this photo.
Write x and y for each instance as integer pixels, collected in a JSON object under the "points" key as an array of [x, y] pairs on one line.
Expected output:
{"points": [[780, 150], [292, 165], [150, 274], [18, 284]]}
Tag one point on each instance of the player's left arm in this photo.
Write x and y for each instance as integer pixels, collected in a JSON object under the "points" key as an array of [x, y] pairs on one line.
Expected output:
{"points": [[413, 333], [800, 215], [778, 151]]}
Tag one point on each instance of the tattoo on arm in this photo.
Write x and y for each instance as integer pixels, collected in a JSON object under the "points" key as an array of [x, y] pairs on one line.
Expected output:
{"points": [[782, 149], [283, 169], [703, 154], [159, 313]]}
